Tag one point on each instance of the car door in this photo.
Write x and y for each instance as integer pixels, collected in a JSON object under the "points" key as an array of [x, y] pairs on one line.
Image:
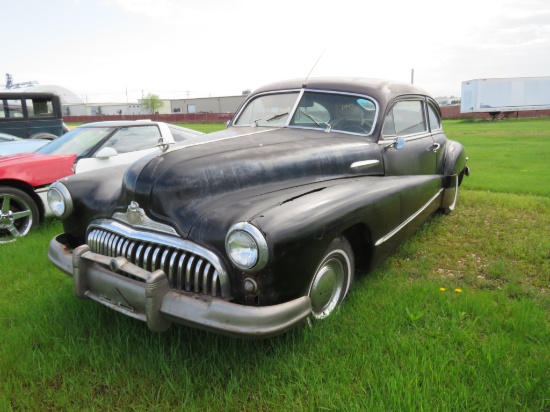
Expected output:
{"points": [[130, 143], [406, 119]]}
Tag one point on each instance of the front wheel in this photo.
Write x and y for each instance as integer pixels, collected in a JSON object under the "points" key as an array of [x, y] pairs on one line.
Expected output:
{"points": [[332, 279], [18, 214]]}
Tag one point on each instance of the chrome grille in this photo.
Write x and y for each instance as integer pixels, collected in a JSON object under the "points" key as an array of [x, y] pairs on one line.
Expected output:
{"points": [[186, 269]]}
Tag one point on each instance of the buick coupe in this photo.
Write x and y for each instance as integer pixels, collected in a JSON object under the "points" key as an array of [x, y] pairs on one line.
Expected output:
{"points": [[252, 230]]}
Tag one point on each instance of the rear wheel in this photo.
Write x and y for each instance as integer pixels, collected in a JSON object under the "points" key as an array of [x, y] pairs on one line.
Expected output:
{"points": [[18, 214], [43, 135], [332, 279]]}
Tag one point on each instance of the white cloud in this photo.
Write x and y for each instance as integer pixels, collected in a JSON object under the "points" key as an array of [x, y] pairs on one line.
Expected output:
{"points": [[217, 47]]}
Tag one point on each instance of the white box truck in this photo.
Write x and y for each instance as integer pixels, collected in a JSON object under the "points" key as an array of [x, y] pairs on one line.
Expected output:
{"points": [[495, 96]]}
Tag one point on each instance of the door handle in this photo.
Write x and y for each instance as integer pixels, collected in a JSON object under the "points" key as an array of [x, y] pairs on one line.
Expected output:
{"points": [[434, 147]]}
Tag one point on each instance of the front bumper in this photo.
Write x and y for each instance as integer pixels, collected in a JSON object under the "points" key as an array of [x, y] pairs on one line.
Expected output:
{"points": [[147, 296]]}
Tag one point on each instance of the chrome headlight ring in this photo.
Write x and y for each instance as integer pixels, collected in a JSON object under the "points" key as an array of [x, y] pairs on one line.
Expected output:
{"points": [[60, 200], [246, 247]]}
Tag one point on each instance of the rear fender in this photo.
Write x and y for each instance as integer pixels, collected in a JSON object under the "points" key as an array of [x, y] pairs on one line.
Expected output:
{"points": [[455, 160], [454, 170]]}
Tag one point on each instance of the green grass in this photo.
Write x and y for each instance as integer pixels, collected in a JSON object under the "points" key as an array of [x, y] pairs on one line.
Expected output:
{"points": [[510, 156], [204, 127], [398, 343]]}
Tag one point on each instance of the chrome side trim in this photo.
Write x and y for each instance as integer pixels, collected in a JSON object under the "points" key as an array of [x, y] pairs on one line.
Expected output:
{"points": [[364, 163], [406, 222]]}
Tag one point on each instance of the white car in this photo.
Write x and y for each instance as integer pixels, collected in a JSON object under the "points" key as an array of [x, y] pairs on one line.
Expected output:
{"points": [[26, 177]]}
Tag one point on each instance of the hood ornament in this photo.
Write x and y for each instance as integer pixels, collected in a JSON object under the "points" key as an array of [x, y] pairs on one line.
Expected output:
{"points": [[135, 214], [136, 217]]}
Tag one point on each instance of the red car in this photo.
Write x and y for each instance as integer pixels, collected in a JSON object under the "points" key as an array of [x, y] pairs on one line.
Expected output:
{"points": [[26, 177]]}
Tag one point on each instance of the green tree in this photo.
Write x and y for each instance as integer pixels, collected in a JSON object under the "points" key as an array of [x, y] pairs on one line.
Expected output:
{"points": [[152, 103]]}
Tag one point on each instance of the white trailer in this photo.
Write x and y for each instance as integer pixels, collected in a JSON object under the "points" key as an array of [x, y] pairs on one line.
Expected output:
{"points": [[496, 96]]}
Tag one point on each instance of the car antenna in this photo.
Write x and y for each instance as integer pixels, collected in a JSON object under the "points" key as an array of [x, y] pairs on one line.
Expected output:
{"points": [[309, 74]]}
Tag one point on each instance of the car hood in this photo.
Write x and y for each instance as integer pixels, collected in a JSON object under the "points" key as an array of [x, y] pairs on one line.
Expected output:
{"points": [[36, 169], [21, 146], [187, 181]]}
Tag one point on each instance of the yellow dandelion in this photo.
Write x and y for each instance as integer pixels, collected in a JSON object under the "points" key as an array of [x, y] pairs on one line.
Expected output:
{"points": [[457, 290], [442, 289]]}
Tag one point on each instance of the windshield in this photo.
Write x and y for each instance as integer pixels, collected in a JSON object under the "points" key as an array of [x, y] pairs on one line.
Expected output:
{"points": [[268, 110], [79, 141], [336, 112]]}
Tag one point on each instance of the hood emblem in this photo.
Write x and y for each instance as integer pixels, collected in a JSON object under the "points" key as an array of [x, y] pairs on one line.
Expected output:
{"points": [[135, 214]]}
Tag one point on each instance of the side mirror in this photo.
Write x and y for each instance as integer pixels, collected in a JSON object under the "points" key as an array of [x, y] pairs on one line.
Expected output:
{"points": [[399, 143], [106, 153]]}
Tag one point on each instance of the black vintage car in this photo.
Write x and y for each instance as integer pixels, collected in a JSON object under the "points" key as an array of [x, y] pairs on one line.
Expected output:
{"points": [[251, 230]]}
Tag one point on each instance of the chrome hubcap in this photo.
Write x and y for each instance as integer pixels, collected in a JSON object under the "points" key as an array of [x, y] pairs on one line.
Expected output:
{"points": [[15, 218], [6, 220], [328, 287]]}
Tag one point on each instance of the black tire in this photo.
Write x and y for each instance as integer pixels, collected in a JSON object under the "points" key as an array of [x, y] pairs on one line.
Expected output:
{"points": [[47, 136], [18, 214], [332, 279]]}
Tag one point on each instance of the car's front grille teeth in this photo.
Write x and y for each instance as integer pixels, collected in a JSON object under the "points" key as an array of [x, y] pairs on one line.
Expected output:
{"points": [[186, 271]]}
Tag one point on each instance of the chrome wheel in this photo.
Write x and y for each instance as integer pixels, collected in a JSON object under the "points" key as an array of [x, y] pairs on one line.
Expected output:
{"points": [[18, 214], [332, 279]]}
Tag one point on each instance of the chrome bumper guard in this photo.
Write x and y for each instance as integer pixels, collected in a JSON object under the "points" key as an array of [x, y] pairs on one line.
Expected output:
{"points": [[147, 296]]}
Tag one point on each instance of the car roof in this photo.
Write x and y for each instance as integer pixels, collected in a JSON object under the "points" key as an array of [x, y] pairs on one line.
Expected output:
{"points": [[380, 89], [120, 123]]}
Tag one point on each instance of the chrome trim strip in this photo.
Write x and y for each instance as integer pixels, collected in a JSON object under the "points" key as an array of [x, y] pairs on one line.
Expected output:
{"points": [[406, 222], [364, 163]]}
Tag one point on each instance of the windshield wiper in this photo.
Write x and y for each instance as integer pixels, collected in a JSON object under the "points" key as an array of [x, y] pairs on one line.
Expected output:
{"points": [[277, 116], [318, 122]]}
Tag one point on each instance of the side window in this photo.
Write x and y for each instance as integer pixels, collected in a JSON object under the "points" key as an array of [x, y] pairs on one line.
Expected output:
{"points": [[435, 121], [130, 139], [404, 119], [39, 107], [12, 108]]}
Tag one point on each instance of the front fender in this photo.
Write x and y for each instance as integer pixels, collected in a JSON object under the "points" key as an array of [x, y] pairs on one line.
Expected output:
{"points": [[94, 195], [299, 223]]}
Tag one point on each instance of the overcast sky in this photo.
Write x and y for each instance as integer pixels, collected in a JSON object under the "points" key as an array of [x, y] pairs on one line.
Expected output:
{"points": [[113, 50]]}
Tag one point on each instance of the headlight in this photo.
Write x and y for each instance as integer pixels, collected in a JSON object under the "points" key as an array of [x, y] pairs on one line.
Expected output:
{"points": [[246, 247], [59, 200]]}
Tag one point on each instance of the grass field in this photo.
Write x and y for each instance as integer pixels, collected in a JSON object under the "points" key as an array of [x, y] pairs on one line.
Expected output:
{"points": [[457, 320]]}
